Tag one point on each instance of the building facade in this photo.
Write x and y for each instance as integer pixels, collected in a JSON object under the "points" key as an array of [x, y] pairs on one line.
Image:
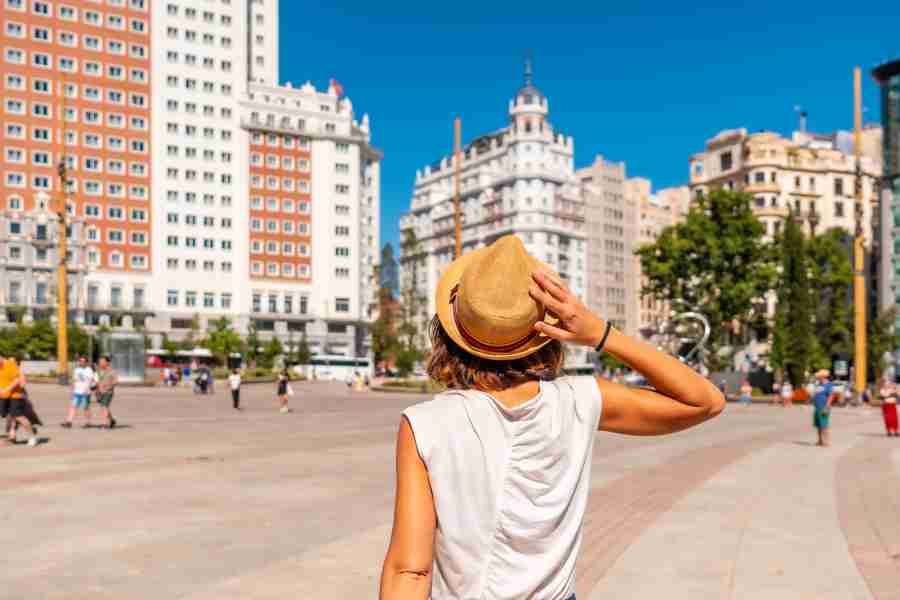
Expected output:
{"points": [[76, 91], [519, 180], [888, 77], [656, 212], [188, 185], [806, 173], [612, 225]]}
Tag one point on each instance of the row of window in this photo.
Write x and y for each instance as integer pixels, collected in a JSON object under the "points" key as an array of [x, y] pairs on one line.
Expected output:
{"points": [[287, 227], [274, 205], [193, 219], [89, 140], [193, 85], [194, 175], [284, 183], [191, 13], [192, 60], [192, 198], [65, 38], [837, 206], [273, 269], [15, 179], [116, 259], [275, 248], [191, 264], [276, 140], [17, 82], [67, 64], [45, 134], [174, 241], [191, 298], [192, 35], [91, 164], [287, 304], [192, 152], [287, 163], [70, 13]]}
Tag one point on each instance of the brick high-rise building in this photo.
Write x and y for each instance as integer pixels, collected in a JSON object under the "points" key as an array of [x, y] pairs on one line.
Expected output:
{"points": [[76, 89], [206, 190]]}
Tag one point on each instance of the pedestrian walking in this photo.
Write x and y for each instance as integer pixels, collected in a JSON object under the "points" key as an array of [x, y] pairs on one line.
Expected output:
{"points": [[15, 408], [823, 397], [234, 382], [787, 393], [107, 380], [889, 407], [746, 398], [284, 390], [84, 380], [493, 475]]}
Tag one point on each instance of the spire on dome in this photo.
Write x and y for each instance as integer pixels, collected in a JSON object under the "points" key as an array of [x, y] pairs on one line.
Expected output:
{"points": [[528, 72]]}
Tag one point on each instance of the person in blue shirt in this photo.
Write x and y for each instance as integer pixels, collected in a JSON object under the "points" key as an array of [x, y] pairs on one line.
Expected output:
{"points": [[822, 398]]}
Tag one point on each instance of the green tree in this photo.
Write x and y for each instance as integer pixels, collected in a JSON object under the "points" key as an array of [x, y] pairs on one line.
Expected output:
{"points": [[412, 317], [717, 262], [39, 339], [384, 328], [78, 340], [223, 340], [795, 302], [272, 350], [252, 346], [303, 353], [882, 338], [406, 361], [831, 280]]}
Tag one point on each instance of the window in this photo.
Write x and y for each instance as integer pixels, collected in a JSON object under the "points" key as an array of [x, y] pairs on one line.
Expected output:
{"points": [[209, 300], [838, 187], [342, 273], [725, 162], [342, 305], [226, 301], [190, 298], [838, 208], [342, 251]]}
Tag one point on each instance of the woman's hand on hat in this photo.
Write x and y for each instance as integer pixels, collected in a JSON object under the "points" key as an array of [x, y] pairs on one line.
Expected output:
{"points": [[577, 324]]}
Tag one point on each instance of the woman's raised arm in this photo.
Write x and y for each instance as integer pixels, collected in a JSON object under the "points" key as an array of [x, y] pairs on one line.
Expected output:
{"points": [[681, 397]]}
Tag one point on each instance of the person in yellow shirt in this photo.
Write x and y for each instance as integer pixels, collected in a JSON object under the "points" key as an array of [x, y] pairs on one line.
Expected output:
{"points": [[13, 402]]}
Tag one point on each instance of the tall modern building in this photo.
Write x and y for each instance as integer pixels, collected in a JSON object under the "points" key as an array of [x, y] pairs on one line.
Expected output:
{"points": [[888, 77], [519, 179], [612, 222], [76, 90], [199, 186]]}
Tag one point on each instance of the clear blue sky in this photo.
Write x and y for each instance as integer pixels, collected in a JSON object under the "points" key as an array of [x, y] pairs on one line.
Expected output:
{"points": [[644, 82]]}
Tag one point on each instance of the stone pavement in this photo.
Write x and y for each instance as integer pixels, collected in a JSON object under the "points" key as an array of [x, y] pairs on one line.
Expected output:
{"points": [[191, 500]]}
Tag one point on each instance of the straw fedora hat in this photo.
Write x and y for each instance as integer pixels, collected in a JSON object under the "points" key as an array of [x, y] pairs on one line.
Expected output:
{"points": [[483, 302]]}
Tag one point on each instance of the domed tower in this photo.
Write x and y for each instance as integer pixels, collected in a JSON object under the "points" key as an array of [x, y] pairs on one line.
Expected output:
{"points": [[528, 110]]}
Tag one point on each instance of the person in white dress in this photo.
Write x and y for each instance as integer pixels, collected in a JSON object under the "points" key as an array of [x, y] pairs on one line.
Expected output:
{"points": [[493, 475]]}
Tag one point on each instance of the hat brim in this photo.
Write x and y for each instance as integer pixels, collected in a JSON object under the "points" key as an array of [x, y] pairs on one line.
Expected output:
{"points": [[445, 286]]}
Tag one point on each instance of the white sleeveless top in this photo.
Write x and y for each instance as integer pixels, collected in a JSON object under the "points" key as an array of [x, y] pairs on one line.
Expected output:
{"points": [[510, 488]]}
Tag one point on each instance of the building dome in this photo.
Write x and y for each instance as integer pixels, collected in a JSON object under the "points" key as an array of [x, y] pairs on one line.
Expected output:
{"points": [[528, 93]]}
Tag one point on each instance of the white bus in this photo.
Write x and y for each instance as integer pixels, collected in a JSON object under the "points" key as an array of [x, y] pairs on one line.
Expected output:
{"points": [[334, 367]]}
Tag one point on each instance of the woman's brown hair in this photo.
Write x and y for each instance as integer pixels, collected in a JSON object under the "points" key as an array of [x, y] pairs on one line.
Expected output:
{"points": [[453, 367]]}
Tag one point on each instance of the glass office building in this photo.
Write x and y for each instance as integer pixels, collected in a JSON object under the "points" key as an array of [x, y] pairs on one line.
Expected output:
{"points": [[888, 77]]}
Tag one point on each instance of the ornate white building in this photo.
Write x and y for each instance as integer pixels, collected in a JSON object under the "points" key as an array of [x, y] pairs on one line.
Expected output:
{"points": [[516, 180]]}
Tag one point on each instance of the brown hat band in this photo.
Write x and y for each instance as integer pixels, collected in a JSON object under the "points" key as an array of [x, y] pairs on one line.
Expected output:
{"points": [[478, 344]]}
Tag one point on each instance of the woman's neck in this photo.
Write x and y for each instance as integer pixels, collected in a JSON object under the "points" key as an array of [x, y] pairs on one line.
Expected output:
{"points": [[517, 394]]}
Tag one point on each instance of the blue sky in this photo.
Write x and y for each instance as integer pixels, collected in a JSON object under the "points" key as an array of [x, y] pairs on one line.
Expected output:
{"points": [[646, 82]]}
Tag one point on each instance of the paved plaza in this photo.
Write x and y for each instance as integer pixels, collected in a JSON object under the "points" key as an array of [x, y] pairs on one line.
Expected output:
{"points": [[191, 500]]}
